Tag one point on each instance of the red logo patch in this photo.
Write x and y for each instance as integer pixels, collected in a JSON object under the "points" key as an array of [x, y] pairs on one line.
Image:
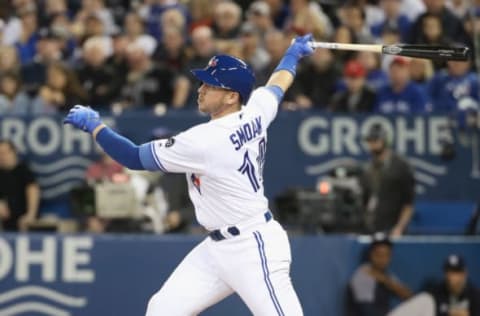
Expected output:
{"points": [[212, 62], [196, 182]]}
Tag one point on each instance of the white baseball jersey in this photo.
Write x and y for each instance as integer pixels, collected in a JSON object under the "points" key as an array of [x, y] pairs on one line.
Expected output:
{"points": [[223, 160]]}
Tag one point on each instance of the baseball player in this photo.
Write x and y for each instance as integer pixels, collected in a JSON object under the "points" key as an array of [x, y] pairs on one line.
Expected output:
{"points": [[247, 251]]}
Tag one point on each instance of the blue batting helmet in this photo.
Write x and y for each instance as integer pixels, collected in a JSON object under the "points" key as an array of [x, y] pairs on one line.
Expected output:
{"points": [[228, 72]]}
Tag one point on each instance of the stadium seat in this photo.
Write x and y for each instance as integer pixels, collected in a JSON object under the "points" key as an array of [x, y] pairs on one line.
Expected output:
{"points": [[441, 217]]}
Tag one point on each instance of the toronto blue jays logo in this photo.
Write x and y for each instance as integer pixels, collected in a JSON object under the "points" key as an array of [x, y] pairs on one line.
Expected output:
{"points": [[213, 62], [196, 182]]}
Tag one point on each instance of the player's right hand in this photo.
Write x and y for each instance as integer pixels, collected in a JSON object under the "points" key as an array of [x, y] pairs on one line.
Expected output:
{"points": [[301, 46], [83, 117]]}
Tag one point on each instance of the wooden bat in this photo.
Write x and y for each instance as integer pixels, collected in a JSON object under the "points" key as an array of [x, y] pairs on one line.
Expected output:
{"points": [[409, 50]]}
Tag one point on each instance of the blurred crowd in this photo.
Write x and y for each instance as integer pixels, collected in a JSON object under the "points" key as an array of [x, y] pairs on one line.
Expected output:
{"points": [[120, 54], [117, 55]]}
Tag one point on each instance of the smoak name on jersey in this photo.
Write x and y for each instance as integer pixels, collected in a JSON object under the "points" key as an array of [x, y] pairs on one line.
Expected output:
{"points": [[247, 132]]}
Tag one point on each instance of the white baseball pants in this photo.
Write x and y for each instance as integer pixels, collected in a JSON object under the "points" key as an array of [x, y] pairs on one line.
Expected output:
{"points": [[254, 264]]}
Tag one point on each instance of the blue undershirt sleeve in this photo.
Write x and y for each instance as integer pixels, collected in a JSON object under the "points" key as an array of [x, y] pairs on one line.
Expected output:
{"points": [[277, 91], [120, 149]]}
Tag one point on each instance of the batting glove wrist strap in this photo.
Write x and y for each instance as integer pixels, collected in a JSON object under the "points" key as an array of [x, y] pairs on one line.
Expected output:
{"points": [[83, 117], [288, 63]]}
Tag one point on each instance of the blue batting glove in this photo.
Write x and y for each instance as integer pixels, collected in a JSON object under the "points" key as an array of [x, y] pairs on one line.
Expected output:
{"points": [[301, 47], [83, 117]]}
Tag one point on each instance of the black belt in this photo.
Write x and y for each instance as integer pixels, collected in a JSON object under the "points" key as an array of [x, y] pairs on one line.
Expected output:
{"points": [[233, 230]]}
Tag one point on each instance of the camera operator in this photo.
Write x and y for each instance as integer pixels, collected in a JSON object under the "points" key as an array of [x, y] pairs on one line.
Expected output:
{"points": [[389, 186]]}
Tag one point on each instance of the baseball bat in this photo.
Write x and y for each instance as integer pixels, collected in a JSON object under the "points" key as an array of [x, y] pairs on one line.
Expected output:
{"points": [[408, 50]]}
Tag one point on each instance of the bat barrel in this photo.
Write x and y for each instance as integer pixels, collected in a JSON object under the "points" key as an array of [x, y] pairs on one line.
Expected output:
{"points": [[428, 52]]}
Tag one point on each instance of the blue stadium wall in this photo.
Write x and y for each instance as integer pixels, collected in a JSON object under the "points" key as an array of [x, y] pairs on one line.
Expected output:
{"points": [[115, 275]]}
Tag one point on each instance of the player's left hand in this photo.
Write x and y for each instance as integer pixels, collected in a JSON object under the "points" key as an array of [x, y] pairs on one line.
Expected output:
{"points": [[301, 46], [83, 117]]}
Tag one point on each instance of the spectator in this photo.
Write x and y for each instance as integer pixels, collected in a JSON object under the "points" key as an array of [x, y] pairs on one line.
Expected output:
{"points": [[227, 19], [61, 28], [96, 9], [252, 52], [96, 76], [61, 90], [275, 44], [455, 295], [393, 19], [376, 77], [344, 34], [133, 26], [12, 28], [203, 46], [448, 87], [358, 97], [173, 17], [26, 45], [451, 25], [34, 74], [280, 12], [259, 15], [9, 60], [401, 95], [201, 12], [389, 186], [118, 59], [308, 17], [50, 10], [314, 93], [172, 52], [93, 26], [152, 12], [149, 83], [421, 71], [19, 192], [372, 286], [12, 99], [353, 16], [390, 36], [432, 34]]}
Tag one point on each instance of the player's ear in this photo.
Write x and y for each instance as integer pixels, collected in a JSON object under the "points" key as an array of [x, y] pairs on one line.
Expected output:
{"points": [[238, 98], [233, 98]]}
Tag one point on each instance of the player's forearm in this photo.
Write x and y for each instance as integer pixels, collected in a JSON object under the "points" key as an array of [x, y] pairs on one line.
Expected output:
{"points": [[282, 79], [121, 149]]}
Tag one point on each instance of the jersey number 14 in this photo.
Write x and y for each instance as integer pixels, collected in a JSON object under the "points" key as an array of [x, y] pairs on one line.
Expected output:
{"points": [[248, 167]]}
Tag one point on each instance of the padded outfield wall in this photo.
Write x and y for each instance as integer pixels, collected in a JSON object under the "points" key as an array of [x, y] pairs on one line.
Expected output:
{"points": [[116, 274]]}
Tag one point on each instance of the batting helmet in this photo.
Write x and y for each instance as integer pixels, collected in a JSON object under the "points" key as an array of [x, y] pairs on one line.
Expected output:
{"points": [[228, 72]]}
